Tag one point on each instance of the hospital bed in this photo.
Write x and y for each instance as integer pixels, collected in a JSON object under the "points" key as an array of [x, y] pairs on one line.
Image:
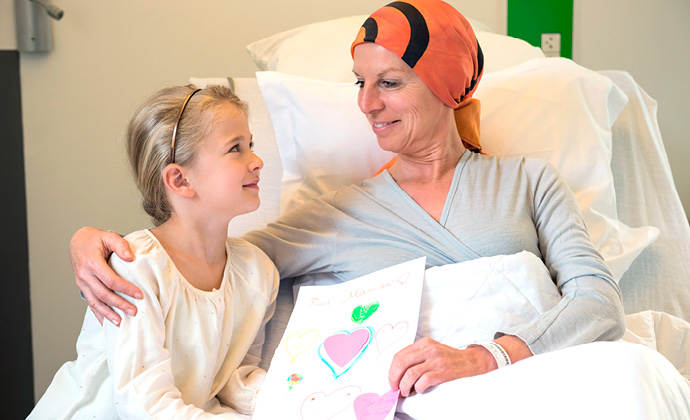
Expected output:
{"points": [[598, 128]]}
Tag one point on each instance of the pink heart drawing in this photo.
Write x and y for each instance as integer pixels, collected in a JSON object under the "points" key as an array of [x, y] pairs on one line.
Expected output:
{"points": [[322, 406], [344, 348], [372, 406], [389, 334]]}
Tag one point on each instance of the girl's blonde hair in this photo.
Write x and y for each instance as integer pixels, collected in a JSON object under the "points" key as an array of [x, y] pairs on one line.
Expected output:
{"points": [[150, 131]]}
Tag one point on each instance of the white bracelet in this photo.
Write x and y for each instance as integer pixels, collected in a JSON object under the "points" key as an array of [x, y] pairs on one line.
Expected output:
{"points": [[497, 351]]}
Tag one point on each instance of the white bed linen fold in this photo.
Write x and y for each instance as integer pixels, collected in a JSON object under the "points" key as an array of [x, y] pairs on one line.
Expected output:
{"points": [[605, 380], [659, 279]]}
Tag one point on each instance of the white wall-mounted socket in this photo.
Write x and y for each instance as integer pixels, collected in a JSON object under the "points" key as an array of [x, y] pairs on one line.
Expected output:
{"points": [[551, 44]]}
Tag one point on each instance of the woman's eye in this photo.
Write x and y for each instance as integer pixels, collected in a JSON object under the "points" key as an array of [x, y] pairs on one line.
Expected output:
{"points": [[360, 83], [388, 83]]}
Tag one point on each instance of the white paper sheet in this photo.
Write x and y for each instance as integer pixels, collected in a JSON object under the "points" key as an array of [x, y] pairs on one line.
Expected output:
{"points": [[334, 357]]}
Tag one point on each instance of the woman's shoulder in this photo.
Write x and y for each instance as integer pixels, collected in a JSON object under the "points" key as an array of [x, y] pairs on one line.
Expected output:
{"points": [[527, 164]]}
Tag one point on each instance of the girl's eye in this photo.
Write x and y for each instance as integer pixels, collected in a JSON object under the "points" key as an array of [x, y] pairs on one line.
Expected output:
{"points": [[237, 147]]}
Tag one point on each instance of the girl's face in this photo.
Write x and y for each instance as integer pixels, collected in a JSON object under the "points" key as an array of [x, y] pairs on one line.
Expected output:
{"points": [[225, 172], [403, 112]]}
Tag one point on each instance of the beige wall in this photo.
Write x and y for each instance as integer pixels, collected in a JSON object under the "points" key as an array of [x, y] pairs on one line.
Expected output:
{"points": [[109, 55]]}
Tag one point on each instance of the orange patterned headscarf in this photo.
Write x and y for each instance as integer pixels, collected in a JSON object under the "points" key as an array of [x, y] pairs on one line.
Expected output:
{"points": [[439, 44]]}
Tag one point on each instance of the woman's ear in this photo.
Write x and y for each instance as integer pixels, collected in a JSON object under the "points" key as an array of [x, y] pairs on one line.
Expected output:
{"points": [[175, 180]]}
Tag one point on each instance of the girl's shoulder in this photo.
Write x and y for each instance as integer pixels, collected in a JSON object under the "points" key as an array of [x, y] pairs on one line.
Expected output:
{"points": [[241, 248], [251, 265], [151, 264]]}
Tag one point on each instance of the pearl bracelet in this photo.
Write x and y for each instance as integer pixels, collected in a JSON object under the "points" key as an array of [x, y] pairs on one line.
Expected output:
{"points": [[497, 351]]}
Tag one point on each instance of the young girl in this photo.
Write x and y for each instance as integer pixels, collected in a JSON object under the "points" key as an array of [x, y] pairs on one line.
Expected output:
{"points": [[193, 348]]}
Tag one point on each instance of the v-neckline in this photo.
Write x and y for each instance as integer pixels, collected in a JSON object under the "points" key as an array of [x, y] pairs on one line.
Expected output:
{"points": [[450, 195], [439, 226]]}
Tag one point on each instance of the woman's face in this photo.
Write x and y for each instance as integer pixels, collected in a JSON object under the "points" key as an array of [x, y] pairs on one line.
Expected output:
{"points": [[403, 112]]}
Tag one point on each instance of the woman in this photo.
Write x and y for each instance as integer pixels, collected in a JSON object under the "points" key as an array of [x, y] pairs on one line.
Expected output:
{"points": [[417, 64]]}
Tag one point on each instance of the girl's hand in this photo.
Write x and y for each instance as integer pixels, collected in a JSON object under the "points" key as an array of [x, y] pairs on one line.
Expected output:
{"points": [[89, 250]]}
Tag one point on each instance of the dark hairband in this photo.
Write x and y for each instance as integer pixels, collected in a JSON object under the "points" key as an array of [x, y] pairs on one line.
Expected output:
{"points": [[174, 133]]}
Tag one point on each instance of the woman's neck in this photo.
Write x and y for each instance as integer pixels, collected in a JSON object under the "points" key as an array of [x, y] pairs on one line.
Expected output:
{"points": [[196, 248], [427, 178], [430, 167]]}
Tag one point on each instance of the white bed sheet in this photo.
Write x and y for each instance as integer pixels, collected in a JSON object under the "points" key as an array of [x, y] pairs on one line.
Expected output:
{"points": [[605, 380], [659, 279]]}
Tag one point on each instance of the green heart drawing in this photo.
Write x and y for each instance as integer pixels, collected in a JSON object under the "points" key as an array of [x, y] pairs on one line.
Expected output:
{"points": [[362, 312]]}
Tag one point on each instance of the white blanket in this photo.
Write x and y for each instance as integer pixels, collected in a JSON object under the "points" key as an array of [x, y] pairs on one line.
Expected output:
{"points": [[468, 302], [593, 381]]}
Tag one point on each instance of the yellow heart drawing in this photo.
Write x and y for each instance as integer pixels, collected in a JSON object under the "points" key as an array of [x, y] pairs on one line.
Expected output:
{"points": [[296, 343]]}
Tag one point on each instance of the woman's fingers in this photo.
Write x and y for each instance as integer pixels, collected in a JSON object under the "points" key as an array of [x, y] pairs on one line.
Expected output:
{"points": [[99, 309], [89, 249], [427, 363], [115, 243], [408, 365]]}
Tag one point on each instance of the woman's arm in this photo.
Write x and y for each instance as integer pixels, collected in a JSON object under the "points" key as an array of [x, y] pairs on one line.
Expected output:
{"points": [[89, 250], [591, 308]]}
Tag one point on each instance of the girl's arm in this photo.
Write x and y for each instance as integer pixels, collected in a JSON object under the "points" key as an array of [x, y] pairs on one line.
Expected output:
{"points": [[241, 390]]}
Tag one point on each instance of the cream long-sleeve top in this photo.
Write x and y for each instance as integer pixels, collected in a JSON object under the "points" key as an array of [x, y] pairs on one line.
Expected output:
{"points": [[187, 354]]}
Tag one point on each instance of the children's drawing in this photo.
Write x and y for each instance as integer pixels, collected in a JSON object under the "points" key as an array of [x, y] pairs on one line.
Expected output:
{"points": [[362, 312], [293, 380], [296, 343], [390, 334], [322, 406], [343, 349], [372, 406], [329, 343]]}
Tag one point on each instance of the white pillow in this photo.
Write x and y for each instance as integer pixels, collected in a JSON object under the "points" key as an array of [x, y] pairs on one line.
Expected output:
{"points": [[551, 109], [324, 140], [322, 50]]}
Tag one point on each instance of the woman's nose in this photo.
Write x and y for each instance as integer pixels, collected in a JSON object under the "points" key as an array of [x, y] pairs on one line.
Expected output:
{"points": [[369, 100]]}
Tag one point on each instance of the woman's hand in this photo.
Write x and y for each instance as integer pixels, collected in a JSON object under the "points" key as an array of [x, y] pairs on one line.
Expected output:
{"points": [[89, 250], [427, 363]]}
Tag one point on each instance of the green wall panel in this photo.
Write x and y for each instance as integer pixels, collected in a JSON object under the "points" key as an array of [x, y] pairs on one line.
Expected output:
{"points": [[528, 19]]}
